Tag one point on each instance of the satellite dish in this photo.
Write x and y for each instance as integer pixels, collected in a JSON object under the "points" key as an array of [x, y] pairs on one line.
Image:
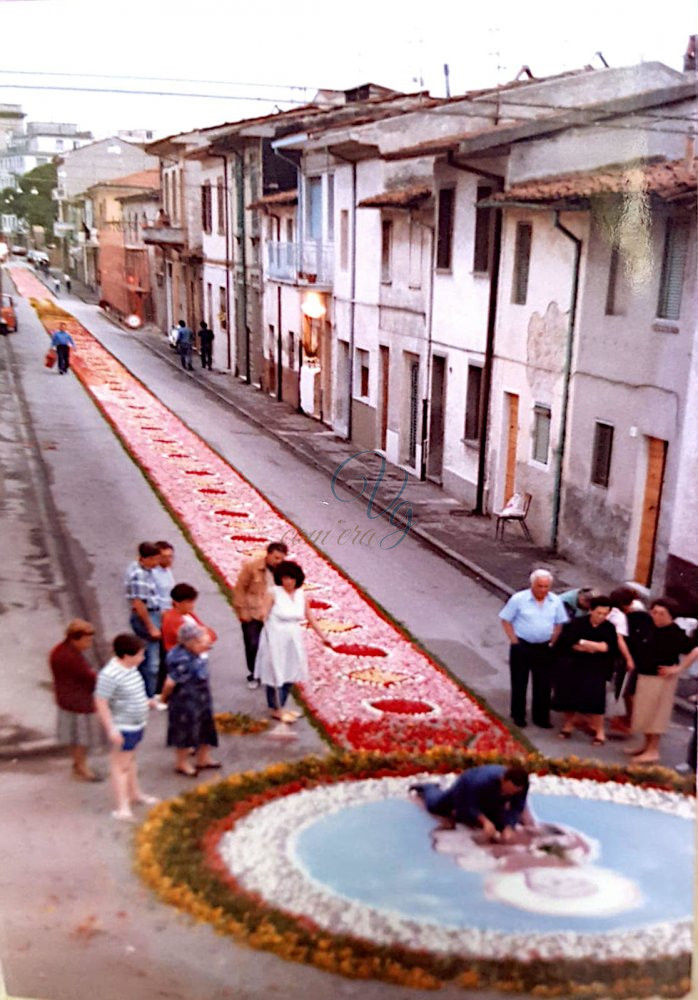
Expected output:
{"points": [[134, 321]]}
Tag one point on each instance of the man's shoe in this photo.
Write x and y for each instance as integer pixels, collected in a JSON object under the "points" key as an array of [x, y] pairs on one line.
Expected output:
{"points": [[253, 684], [521, 723], [544, 725]]}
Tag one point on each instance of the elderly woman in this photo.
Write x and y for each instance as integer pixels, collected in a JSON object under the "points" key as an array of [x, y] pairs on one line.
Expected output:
{"points": [[188, 698], [586, 651], [74, 683], [661, 651], [281, 658]]}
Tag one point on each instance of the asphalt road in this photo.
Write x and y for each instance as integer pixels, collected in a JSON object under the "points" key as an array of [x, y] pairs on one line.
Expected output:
{"points": [[75, 922]]}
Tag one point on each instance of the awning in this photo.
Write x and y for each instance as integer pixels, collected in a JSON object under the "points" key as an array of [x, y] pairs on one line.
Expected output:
{"points": [[407, 197], [276, 199]]}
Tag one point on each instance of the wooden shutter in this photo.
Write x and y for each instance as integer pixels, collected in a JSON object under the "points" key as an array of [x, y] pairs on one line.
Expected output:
{"points": [[472, 403], [673, 267], [522, 258], [483, 228], [444, 228]]}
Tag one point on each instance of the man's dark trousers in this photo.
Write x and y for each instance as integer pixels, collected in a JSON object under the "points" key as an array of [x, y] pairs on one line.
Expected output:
{"points": [[251, 632], [63, 352], [206, 354], [534, 658]]}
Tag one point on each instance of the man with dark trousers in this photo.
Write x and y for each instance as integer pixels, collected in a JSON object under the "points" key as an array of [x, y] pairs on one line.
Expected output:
{"points": [[206, 345], [255, 580], [532, 620]]}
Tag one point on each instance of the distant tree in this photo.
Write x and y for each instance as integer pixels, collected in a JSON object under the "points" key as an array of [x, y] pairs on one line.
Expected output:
{"points": [[32, 202]]}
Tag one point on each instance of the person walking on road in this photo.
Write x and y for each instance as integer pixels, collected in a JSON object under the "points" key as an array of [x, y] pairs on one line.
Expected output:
{"points": [[67, 281], [206, 345], [255, 580], [185, 345], [56, 286], [74, 683], [122, 705], [145, 610], [532, 620], [61, 341]]}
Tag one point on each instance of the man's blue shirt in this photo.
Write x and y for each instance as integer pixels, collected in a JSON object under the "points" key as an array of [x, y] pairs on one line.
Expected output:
{"points": [[534, 621]]}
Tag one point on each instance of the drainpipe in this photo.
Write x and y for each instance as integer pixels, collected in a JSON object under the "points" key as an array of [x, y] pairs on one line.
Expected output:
{"points": [[486, 396], [227, 263], [557, 492], [352, 305], [425, 402], [243, 263]]}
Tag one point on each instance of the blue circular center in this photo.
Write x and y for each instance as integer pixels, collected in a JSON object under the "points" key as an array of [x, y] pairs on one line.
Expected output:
{"points": [[380, 854]]}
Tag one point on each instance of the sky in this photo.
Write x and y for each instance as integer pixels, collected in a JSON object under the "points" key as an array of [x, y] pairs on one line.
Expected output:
{"points": [[261, 50]]}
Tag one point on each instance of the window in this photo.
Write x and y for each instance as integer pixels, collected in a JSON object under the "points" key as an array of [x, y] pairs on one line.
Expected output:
{"points": [[206, 220], [612, 289], [362, 374], [601, 458], [344, 239], [175, 198], [541, 433], [330, 208], [222, 308], [291, 350], [472, 403], [444, 236], [313, 208], [209, 303], [522, 258], [673, 265], [483, 229], [386, 251], [289, 230], [415, 280], [220, 201]]}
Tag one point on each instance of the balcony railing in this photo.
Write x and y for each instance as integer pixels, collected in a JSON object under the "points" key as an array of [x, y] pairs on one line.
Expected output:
{"points": [[164, 236], [310, 263]]}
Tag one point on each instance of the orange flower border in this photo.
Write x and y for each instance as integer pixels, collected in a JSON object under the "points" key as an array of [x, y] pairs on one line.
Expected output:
{"points": [[176, 855]]}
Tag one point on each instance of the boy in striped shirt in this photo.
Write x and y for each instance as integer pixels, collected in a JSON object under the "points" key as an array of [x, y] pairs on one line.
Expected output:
{"points": [[122, 705]]}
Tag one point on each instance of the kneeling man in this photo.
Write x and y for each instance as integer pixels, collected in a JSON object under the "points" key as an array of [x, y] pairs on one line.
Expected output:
{"points": [[491, 798]]}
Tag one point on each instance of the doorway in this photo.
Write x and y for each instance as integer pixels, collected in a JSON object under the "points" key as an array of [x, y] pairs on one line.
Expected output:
{"points": [[512, 411], [651, 502], [435, 460], [413, 414]]}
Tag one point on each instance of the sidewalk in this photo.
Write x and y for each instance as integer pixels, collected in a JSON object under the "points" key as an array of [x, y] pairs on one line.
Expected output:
{"points": [[439, 520]]}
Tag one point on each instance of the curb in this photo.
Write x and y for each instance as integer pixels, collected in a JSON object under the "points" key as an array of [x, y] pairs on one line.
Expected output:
{"points": [[477, 573]]}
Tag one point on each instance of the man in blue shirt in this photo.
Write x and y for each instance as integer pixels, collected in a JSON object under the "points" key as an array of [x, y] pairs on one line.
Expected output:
{"points": [[145, 610], [532, 620], [491, 798], [62, 341], [185, 345]]}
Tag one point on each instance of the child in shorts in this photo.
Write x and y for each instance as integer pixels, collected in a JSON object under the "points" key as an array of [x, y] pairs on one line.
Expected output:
{"points": [[122, 705]]}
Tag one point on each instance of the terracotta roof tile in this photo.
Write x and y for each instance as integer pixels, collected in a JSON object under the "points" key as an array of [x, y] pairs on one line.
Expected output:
{"points": [[278, 198], [406, 197], [667, 180], [141, 179]]}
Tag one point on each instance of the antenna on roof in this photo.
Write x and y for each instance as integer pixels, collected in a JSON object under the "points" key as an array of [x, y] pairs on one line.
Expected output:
{"points": [[446, 77], [525, 70], [601, 57]]}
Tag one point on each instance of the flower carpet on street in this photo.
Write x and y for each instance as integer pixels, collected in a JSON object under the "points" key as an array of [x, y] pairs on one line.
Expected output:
{"points": [[375, 689], [280, 869]]}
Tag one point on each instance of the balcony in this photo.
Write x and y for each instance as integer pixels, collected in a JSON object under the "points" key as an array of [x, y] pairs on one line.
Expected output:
{"points": [[310, 263], [164, 236]]}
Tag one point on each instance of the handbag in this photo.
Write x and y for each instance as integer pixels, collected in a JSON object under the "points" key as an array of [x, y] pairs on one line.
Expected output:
{"points": [[50, 359]]}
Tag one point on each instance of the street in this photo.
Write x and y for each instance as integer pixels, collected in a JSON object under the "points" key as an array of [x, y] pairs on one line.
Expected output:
{"points": [[77, 923]]}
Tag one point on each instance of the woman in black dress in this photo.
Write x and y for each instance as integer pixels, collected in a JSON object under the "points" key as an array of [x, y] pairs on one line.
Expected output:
{"points": [[585, 653]]}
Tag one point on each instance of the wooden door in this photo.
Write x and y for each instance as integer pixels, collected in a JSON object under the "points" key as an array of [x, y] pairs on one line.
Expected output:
{"points": [[656, 462], [435, 460], [512, 404], [413, 412], [385, 389]]}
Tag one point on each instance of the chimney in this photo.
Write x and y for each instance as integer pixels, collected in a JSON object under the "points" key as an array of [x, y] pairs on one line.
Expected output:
{"points": [[689, 59]]}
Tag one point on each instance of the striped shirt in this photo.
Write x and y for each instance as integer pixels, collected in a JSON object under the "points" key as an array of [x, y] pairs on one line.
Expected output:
{"points": [[124, 690]]}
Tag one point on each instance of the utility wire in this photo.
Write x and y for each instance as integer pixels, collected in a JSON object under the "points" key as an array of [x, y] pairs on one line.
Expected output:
{"points": [[152, 93], [159, 79]]}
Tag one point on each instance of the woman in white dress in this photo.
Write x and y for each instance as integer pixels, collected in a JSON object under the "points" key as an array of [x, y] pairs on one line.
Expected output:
{"points": [[281, 658]]}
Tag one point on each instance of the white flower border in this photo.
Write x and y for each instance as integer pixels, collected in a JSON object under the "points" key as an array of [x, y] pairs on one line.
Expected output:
{"points": [[261, 853]]}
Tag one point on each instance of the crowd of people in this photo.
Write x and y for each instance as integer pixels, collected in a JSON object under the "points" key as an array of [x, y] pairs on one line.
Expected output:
{"points": [[162, 664], [577, 646]]}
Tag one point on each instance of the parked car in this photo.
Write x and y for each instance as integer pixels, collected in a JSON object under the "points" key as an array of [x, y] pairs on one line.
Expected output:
{"points": [[8, 314], [18, 251]]}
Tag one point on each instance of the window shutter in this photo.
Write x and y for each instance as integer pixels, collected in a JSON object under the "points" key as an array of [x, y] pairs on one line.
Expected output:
{"points": [[673, 267], [483, 225], [601, 459], [444, 228], [522, 257], [472, 403]]}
